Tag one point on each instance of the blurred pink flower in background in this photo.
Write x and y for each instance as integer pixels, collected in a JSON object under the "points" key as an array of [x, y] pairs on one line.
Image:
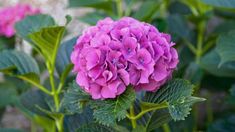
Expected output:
{"points": [[114, 54], [10, 15]]}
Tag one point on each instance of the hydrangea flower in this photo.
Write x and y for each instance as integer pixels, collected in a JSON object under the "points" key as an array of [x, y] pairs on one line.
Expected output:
{"points": [[114, 54], [10, 15]]}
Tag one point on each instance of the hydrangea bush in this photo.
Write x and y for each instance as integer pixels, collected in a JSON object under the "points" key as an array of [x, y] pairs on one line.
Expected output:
{"points": [[127, 72]]}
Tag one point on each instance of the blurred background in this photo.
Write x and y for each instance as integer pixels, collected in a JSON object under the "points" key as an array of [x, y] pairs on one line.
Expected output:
{"points": [[190, 22]]}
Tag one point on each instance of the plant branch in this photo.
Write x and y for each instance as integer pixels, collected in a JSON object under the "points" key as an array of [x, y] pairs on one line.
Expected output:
{"points": [[200, 37], [165, 105], [190, 46], [119, 8], [35, 84]]}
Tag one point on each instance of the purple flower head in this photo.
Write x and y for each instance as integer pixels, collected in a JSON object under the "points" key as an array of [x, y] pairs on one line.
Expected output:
{"points": [[114, 54], [10, 15]]}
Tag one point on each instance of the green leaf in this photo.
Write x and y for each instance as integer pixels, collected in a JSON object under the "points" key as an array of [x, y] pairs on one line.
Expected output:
{"points": [[92, 18], [210, 62], [178, 25], [225, 47], [74, 99], [147, 10], [33, 99], [20, 65], [98, 4], [8, 94], [73, 122], [220, 3], [194, 73], [178, 93], [153, 119], [225, 27], [63, 55], [33, 24], [197, 7], [95, 127], [48, 41], [46, 123], [107, 111], [139, 128]]}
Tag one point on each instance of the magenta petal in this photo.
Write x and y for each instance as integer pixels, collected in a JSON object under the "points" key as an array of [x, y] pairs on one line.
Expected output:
{"points": [[95, 91], [92, 58], [121, 88], [107, 75], [82, 79], [144, 77], [109, 91], [160, 72], [124, 76]]}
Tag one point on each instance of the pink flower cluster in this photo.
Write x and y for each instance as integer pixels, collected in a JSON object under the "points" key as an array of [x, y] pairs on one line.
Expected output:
{"points": [[10, 15], [114, 54]]}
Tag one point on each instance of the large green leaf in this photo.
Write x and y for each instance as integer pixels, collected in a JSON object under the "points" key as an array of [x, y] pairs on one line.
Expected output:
{"points": [[226, 46], [19, 64], [178, 25], [74, 99], [225, 27], [147, 10], [92, 18], [33, 24], [178, 94], [63, 55], [98, 4], [210, 62], [220, 3], [107, 111], [8, 94], [48, 41], [34, 99]]}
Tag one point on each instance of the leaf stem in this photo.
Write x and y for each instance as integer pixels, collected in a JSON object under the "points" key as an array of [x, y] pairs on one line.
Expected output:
{"points": [[132, 114], [190, 46], [119, 8], [200, 37], [131, 117], [35, 84], [166, 128], [129, 7], [54, 92]]}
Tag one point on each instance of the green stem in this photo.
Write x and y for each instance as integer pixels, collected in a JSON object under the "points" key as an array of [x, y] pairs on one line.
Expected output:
{"points": [[166, 128], [128, 10], [209, 110], [208, 46], [59, 124], [200, 37], [54, 92], [165, 105], [35, 84], [190, 46], [119, 8], [132, 114]]}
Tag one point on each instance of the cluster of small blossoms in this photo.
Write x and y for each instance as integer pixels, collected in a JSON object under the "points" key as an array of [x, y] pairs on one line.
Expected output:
{"points": [[10, 15], [114, 54]]}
